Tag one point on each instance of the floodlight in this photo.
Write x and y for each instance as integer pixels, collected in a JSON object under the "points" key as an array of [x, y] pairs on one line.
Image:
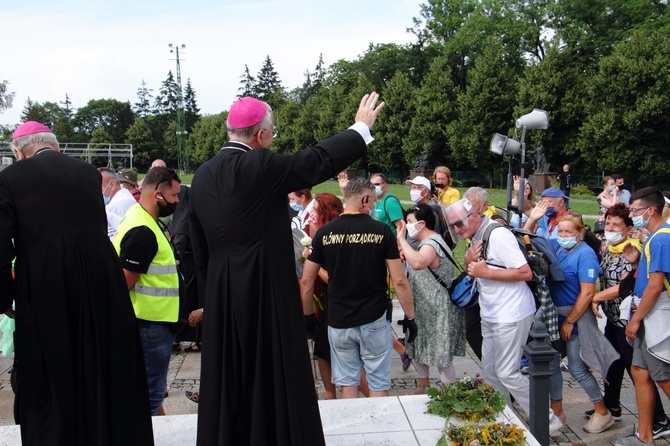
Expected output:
{"points": [[537, 119], [502, 145]]}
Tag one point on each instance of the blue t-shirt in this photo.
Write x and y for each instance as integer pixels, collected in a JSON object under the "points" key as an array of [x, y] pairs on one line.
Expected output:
{"points": [[659, 251], [579, 265]]}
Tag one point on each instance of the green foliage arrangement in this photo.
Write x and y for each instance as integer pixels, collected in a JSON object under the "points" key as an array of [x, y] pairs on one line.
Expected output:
{"points": [[494, 434], [470, 399]]}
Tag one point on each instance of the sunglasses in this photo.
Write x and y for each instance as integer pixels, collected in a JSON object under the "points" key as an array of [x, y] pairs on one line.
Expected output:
{"points": [[459, 223]]}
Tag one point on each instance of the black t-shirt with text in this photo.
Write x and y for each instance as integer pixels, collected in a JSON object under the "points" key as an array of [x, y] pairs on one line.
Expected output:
{"points": [[353, 248]]}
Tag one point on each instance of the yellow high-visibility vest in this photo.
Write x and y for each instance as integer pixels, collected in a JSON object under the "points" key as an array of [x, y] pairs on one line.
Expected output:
{"points": [[155, 296]]}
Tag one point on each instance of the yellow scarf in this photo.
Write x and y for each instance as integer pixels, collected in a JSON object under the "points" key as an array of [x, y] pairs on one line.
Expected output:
{"points": [[618, 248]]}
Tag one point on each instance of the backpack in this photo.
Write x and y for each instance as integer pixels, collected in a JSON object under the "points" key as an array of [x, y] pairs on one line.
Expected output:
{"points": [[538, 255]]}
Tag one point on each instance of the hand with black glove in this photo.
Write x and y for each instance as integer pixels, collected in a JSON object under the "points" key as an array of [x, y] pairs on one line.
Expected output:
{"points": [[409, 324], [311, 325]]}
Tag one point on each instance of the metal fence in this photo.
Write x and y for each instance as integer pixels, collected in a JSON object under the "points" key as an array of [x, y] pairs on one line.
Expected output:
{"points": [[113, 156]]}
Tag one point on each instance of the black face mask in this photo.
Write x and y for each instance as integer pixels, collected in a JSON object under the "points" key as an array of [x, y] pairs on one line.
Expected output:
{"points": [[168, 209]]}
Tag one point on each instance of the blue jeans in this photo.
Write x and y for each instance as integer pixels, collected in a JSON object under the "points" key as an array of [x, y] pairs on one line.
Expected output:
{"points": [[369, 345], [578, 369], [157, 341]]}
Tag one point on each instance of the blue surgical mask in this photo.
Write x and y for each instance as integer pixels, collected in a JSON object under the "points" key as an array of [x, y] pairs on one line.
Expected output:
{"points": [[296, 207], [611, 188], [551, 212], [372, 212], [567, 242], [639, 222], [378, 191], [106, 199]]}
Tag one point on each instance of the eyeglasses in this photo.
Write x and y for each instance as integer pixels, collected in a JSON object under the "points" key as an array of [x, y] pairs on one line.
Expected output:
{"points": [[634, 211], [275, 132], [377, 184], [459, 223]]}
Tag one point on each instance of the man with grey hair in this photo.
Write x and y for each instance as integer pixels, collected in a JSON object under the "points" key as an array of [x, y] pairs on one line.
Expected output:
{"points": [[79, 360], [256, 382], [507, 306], [356, 251]]}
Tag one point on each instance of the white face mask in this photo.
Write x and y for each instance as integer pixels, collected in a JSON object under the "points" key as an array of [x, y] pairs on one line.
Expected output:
{"points": [[613, 237], [378, 191], [412, 231], [415, 195]]}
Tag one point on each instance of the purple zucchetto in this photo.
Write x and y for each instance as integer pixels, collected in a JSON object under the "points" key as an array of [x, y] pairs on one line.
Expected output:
{"points": [[30, 128], [246, 112]]}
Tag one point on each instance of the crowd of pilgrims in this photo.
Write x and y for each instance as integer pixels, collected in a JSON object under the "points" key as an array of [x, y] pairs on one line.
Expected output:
{"points": [[444, 327], [607, 261]]}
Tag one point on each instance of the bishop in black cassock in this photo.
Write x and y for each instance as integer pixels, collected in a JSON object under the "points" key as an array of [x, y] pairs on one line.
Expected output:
{"points": [[256, 383]]}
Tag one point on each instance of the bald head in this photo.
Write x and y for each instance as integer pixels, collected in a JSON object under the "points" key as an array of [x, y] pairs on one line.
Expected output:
{"points": [[158, 163]]}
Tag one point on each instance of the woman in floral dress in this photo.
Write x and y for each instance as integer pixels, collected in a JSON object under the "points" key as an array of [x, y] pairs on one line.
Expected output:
{"points": [[442, 324]]}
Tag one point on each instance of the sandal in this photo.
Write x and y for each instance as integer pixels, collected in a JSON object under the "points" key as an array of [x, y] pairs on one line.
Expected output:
{"points": [[195, 348], [193, 396], [406, 361]]}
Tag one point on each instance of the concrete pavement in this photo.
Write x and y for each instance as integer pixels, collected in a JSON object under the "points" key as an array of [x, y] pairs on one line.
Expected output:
{"points": [[184, 374]]}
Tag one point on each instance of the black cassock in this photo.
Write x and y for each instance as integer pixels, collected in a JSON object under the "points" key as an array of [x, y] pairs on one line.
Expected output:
{"points": [[81, 378], [256, 383]]}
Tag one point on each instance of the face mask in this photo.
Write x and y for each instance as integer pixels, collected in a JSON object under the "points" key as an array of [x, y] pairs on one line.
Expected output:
{"points": [[639, 221], [372, 212], [611, 188], [378, 191], [415, 195], [168, 209], [106, 199], [312, 217], [567, 242], [613, 237], [295, 206], [412, 231], [551, 212]]}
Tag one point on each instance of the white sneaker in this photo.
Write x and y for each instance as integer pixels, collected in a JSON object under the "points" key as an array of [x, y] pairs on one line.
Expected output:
{"points": [[598, 423], [555, 424]]}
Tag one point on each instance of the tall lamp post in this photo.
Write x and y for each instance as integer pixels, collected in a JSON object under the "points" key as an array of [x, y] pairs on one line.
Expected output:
{"points": [[182, 150], [502, 145]]}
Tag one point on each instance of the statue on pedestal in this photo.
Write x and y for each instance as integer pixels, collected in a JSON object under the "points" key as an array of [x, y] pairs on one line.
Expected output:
{"points": [[540, 163]]}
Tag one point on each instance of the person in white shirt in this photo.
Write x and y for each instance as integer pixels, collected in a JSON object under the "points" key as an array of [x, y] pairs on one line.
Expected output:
{"points": [[117, 199], [506, 303]]}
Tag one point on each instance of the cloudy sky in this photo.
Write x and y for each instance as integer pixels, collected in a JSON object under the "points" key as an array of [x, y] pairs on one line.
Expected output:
{"points": [[94, 49]]}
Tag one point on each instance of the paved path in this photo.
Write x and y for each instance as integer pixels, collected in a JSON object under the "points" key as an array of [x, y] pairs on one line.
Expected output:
{"points": [[184, 374]]}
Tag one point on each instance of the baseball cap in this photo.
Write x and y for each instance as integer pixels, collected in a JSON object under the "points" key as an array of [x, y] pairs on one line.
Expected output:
{"points": [[419, 180], [554, 192]]}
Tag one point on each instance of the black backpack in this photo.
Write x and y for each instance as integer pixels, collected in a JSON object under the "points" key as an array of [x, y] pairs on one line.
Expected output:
{"points": [[536, 258]]}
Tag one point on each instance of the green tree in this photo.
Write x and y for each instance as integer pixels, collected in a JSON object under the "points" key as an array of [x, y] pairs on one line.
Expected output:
{"points": [[191, 110], [484, 109], [167, 98], [112, 115], [435, 108], [268, 86], [207, 138], [6, 98], [247, 84], [147, 144], [142, 107], [386, 154], [558, 85], [628, 124], [34, 111]]}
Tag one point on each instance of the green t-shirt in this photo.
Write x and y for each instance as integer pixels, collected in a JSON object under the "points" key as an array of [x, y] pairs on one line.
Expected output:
{"points": [[389, 210]]}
